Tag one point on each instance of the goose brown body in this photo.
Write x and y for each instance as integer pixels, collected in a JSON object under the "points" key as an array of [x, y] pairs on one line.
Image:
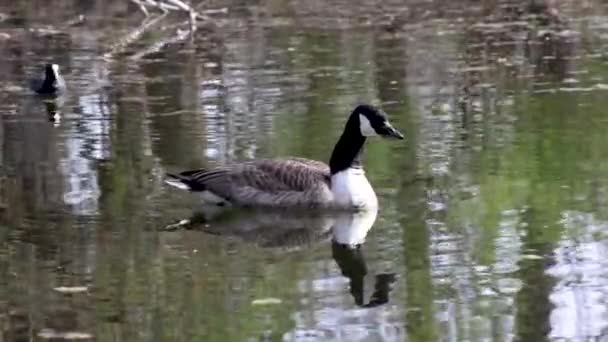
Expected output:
{"points": [[291, 182]]}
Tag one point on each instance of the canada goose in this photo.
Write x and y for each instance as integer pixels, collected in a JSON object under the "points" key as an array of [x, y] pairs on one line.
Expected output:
{"points": [[52, 83], [297, 182]]}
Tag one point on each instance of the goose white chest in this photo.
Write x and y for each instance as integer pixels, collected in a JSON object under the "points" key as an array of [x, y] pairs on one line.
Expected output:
{"points": [[350, 188], [352, 228]]}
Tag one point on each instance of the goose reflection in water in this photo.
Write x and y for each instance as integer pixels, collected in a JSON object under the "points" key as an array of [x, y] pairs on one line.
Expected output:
{"points": [[300, 230], [52, 109]]}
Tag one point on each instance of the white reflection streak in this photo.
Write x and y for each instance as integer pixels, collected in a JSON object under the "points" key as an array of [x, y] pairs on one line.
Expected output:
{"points": [[86, 142], [581, 293], [216, 146], [237, 115], [450, 263]]}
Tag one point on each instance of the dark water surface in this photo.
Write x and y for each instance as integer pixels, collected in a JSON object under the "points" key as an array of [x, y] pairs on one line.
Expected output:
{"points": [[493, 220]]}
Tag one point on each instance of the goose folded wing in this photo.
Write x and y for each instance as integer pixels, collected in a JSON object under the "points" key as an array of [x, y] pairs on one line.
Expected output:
{"points": [[295, 174], [263, 180]]}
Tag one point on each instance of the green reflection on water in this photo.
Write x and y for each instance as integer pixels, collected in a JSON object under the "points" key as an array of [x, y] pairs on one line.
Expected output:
{"points": [[473, 199]]}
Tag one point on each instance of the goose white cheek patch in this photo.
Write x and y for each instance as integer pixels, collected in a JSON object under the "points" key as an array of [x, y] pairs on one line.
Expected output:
{"points": [[366, 127], [55, 68]]}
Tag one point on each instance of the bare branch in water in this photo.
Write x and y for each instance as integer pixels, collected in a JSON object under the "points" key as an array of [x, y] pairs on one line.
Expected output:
{"points": [[133, 36], [181, 5], [166, 6], [142, 7], [179, 36], [161, 5]]}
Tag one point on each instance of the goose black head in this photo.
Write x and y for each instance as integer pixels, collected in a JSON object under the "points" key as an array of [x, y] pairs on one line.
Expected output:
{"points": [[374, 122], [365, 121], [51, 72]]}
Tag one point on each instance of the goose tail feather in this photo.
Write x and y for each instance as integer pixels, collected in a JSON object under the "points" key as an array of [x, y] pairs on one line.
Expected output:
{"points": [[179, 182]]}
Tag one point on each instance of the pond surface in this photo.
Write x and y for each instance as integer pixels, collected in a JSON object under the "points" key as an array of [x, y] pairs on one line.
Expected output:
{"points": [[493, 220]]}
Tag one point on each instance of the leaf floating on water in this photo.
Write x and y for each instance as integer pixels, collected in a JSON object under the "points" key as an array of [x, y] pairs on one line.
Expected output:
{"points": [[64, 335], [267, 301], [71, 289]]}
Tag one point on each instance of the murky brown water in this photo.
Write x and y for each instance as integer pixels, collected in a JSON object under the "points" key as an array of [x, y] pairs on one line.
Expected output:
{"points": [[493, 220]]}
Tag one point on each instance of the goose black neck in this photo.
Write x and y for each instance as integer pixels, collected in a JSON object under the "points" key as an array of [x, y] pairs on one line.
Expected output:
{"points": [[348, 149], [49, 78]]}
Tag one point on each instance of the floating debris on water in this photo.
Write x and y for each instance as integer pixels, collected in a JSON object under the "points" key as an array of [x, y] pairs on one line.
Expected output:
{"points": [[531, 257], [65, 335], [71, 289], [595, 87], [266, 301]]}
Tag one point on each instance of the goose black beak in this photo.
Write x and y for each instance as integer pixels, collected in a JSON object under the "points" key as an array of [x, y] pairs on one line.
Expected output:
{"points": [[388, 131]]}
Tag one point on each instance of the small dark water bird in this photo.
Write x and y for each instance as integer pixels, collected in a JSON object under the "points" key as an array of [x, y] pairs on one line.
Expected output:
{"points": [[52, 83]]}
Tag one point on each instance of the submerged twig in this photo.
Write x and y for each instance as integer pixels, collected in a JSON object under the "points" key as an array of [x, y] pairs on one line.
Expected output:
{"points": [[133, 36], [181, 5], [161, 5], [142, 7], [165, 6], [179, 36]]}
